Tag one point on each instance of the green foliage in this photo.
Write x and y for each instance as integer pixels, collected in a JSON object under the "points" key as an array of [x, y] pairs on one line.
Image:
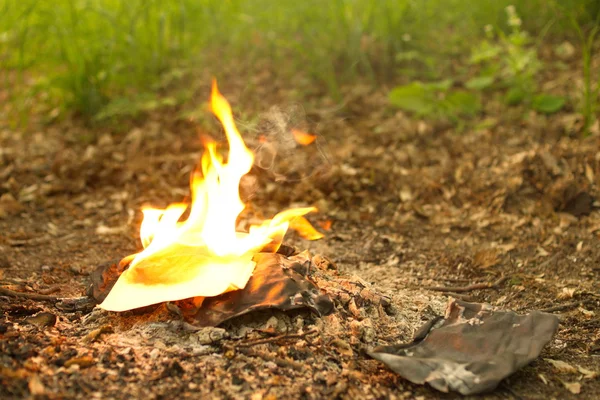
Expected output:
{"points": [[510, 60], [587, 30], [96, 51], [93, 56], [435, 99], [547, 104], [480, 82], [93, 49], [414, 97]]}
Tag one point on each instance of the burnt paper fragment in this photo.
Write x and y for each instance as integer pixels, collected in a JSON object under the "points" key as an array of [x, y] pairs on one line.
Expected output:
{"points": [[104, 278], [470, 350], [277, 282]]}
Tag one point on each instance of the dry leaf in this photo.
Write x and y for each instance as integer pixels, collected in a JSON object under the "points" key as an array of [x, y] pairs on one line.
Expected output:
{"points": [[542, 252], [566, 293], [83, 361], [587, 313], [589, 174], [486, 258], [573, 387], [587, 374], [36, 387], [562, 366]]}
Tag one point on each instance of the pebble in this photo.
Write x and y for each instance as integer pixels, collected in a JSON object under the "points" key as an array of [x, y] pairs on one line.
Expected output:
{"points": [[154, 354], [210, 335], [271, 323], [41, 320]]}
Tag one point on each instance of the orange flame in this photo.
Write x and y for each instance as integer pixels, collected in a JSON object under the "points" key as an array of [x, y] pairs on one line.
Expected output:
{"points": [[303, 138], [203, 255]]}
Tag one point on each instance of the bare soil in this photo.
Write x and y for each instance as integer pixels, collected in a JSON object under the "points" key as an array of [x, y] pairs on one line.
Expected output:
{"points": [[413, 205]]}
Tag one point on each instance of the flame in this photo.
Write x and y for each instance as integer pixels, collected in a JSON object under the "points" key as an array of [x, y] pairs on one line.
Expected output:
{"points": [[203, 255], [326, 225], [303, 138]]}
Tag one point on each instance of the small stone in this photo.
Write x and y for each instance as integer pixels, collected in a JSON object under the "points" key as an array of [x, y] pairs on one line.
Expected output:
{"points": [[271, 365], [46, 268], [154, 354], [41, 320], [271, 323], [342, 347], [210, 335]]}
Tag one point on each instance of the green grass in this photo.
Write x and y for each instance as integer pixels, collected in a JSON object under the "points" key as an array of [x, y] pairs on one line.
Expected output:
{"points": [[85, 56]]}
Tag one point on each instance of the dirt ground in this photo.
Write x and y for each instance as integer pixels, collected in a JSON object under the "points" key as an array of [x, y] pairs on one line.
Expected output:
{"points": [[412, 205]]}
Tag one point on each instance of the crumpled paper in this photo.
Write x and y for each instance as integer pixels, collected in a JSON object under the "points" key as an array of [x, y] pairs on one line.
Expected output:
{"points": [[277, 282], [471, 349]]}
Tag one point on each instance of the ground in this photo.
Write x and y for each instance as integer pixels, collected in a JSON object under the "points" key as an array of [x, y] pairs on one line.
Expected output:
{"points": [[412, 205]]}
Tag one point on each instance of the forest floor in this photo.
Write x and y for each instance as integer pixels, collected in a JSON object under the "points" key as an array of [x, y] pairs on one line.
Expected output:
{"points": [[412, 204]]}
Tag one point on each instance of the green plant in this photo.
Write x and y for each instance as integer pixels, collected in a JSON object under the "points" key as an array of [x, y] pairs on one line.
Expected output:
{"points": [[94, 56], [511, 61], [435, 100], [587, 36]]}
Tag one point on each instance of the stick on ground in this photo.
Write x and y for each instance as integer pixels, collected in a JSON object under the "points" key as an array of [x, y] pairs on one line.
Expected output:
{"points": [[463, 289], [32, 296]]}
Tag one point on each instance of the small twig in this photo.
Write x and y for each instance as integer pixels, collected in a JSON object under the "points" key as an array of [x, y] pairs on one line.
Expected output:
{"points": [[469, 288], [277, 338], [267, 357], [39, 240], [32, 296], [566, 306], [463, 297], [67, 304], [49, 290]]}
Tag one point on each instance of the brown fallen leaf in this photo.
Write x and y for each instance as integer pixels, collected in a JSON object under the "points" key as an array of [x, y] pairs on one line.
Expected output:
{"points": [[588, 374], [36, 387], [486, 258], [561, 366], [93, 335], [573, 387], [84, 361], [9, 205], [566, 293]]}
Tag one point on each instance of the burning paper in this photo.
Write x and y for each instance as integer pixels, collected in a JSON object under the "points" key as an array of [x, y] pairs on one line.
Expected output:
{"points": [[203, 255]]}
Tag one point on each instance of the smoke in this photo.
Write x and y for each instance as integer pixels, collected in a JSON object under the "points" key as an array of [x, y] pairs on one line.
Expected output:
{"points": [[277, 150]]}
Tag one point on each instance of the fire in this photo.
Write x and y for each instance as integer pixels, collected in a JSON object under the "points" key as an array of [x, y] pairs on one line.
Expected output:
{"points": [[203, 255], [303, 138]]}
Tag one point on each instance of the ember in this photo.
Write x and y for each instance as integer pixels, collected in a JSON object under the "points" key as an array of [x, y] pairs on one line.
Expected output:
{"points": [[204, 255]]}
